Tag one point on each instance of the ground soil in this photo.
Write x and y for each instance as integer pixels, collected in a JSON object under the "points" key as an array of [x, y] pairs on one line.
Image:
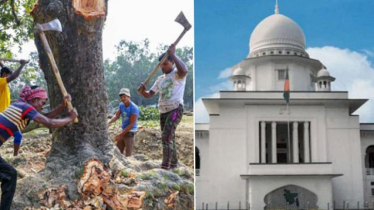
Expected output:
{"points": [[36, 145]]}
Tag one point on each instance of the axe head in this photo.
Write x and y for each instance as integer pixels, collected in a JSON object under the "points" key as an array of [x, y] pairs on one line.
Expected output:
{"points": [[181, 19], [53, 25]]}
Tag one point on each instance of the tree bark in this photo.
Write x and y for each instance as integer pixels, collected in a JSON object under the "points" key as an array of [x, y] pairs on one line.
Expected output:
{"points": [[78, 54]]}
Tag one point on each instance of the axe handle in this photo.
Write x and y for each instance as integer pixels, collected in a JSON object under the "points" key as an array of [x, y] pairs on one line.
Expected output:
{"points": [[55, 70], [162, 60], [12, 60]]}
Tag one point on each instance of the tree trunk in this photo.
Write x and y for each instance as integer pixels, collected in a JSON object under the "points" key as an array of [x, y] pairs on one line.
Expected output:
{"points": [[78, 54]]}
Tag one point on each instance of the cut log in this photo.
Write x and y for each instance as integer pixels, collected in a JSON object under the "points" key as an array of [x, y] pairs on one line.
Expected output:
{"points": [[94, 179], [89, 8]]}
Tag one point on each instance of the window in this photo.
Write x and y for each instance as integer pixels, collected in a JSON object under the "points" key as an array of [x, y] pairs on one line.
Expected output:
{"points": [[197, 161], [372, 191], [281, 74], [372, 183], [284, 142]]}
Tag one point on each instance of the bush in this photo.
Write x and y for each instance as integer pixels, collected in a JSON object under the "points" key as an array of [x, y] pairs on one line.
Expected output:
{"points": [[148, 113]]}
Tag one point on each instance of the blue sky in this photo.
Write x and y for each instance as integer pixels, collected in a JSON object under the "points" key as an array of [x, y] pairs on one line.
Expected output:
{"points": [[340, 33]]}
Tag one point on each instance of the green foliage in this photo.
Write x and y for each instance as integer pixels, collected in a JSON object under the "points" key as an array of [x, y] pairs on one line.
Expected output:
{"points": [[176, 171], [79, 173], [176, 187], [149, 123], [148, 113], [31, 75], [165, 177], [133, 64], [188, 188], [149, 194], [148, 175], [124, 173], [164, 186], [15, 29]]}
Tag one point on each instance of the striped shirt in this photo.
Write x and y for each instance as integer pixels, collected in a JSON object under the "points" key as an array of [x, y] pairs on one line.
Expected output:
{"points": [[16, 117]]}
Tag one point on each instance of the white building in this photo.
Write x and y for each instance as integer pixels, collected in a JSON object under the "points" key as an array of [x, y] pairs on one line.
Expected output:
{"points": [[245, 154]]}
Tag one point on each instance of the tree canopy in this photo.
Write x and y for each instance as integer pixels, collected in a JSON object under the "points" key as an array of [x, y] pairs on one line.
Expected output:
{"points": [[15, 25], [134, 63]]}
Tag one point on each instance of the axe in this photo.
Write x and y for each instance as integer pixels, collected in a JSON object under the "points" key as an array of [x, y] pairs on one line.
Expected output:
{"points": [[53, 25], [181, 19], [12, 60]]}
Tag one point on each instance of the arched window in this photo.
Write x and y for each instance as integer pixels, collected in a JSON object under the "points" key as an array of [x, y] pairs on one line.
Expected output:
{"points": [[324, 84], [197, 161], [369, 157]]}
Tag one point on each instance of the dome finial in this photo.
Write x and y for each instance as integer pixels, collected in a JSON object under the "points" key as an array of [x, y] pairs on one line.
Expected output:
{"points": [[276, 7]]}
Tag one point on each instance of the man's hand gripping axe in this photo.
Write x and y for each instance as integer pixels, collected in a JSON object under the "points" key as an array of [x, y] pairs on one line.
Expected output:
{"points": [[181, 19], [53, 25]]}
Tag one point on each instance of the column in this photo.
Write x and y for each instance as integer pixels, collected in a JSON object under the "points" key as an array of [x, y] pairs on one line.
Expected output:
{"points": [[306, 142], [263, 142], [274, 142], [295, 143]]}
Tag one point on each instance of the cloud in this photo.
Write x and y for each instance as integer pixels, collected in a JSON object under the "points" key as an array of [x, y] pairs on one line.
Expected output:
{"points": [[201, 115], [368, 52], [354, 73], [226, 85], [225, 73]]}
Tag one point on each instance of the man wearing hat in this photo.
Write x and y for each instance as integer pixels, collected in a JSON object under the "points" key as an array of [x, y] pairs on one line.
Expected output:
{"points": [[16, 117], [129, 112]]}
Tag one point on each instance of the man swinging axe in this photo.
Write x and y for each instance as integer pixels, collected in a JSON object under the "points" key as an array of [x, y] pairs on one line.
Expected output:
{"points": [[171, 87]]}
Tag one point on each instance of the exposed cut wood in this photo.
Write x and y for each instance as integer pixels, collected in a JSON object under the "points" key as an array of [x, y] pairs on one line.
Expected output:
{"points": [[51, 196], [89, 8], [35, 6], [136, 199], [170, 201], [95, 177]]}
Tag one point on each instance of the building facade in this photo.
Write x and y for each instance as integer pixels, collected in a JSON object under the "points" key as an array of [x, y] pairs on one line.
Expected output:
{"points": [[258, 152]]}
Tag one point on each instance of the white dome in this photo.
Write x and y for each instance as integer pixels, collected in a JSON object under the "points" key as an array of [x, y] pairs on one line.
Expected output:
{"points": [[277, 31], [323, 73], [238, 72]]}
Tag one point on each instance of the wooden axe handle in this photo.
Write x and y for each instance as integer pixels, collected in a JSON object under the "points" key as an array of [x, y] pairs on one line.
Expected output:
{"points": [[12, 60], [55, 70], [162, 60]]}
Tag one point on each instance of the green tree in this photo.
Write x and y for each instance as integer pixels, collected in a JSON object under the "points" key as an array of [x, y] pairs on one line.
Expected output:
{"points": [[15, 24], [134, 63], [32, 75]]}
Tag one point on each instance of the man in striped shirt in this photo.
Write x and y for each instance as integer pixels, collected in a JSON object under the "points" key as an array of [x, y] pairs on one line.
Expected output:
{"points": [[6, 76], [16, 117]]}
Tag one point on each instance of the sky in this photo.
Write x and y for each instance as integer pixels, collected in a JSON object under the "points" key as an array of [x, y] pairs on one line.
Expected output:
{"points": [[137, 20], [339, 33]]}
